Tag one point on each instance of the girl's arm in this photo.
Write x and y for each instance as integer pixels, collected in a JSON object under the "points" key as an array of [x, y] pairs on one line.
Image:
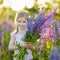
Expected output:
{"points": [[12, 43]]}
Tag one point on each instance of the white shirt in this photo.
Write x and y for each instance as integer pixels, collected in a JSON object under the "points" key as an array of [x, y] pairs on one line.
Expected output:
{"points": [[18, 39]]}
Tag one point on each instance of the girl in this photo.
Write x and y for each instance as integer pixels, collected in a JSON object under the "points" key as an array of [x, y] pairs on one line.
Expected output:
{"points": [[16, 35]]}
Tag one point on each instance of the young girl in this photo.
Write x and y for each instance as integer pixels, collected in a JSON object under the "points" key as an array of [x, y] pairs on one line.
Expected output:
{"points": [[16, 35]]}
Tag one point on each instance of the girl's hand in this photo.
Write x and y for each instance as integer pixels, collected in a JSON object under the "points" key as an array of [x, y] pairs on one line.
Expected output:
{"points": [[32, 47], [29, 46]]}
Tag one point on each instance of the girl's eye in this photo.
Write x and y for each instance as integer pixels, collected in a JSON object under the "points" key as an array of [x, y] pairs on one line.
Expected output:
{"points": [[19, 21], [24, 21]]}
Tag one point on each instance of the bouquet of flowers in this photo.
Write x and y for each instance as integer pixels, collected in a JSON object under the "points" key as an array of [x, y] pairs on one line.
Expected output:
{"points": [[33, 32]]}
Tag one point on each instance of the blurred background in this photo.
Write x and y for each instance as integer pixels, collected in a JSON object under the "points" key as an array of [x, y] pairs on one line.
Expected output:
{"points": [[8, 8]]}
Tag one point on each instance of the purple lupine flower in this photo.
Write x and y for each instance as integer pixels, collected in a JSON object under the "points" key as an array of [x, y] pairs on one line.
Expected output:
{"points": [[45, 25], [45, 33], [56, 56], [48, 23], [5, 23], [45, 21], [7, 26], [29, 24], [50, 30], [27, 32], [36, 32], [53, 54], [46, 17], [53, 39], [48, 33], [40, 16], [52, 34]]}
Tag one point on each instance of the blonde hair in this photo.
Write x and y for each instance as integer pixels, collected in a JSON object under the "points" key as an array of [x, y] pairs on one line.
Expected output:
{"points": [[20, 15]]}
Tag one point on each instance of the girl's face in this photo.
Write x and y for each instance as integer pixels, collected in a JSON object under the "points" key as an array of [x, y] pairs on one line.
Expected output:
{"points": [[22, 22]]}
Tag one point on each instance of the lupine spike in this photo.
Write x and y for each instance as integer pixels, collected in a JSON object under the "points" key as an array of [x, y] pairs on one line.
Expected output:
{"points": [[27, 31], [40, 16], [53, 54], [29, 24], [48, 22], [46, 17], [44, 25]]}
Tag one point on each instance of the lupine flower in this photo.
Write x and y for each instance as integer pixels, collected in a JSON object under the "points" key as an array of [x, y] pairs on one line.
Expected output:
{"points": [[41, 20], [46, 17], [44, 22], [29, 24], [45, 33], [47, 28], [27, 32], [5, 23], [8, 27], [49, 22], [52, 34], [48, 32], [36, 32], [54, 54], [40, 16]]}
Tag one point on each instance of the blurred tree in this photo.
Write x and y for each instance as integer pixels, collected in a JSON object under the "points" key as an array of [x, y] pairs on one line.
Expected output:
{"points": [[6, 13], [1, 1]]}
